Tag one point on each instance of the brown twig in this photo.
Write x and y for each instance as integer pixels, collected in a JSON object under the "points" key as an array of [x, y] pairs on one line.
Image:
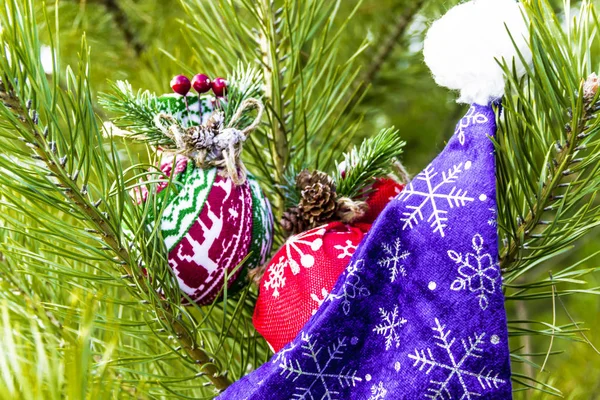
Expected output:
{"points": [[387, 46], [122, 21]]}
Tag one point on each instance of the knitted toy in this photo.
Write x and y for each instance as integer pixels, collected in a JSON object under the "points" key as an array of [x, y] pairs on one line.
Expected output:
{"points": [[214, 219]]}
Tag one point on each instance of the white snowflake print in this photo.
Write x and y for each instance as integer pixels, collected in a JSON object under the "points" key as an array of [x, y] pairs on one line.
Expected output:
{"points": [[276, 272], [378, 392], [320, 380], [347, 250], [455, 368], [435, 196], [471, 118], [318, 299], [306, 260], [393, 260], [492, 221], [276, 276], [478, 271], [281, 355], [352, 287], [389, 327]]}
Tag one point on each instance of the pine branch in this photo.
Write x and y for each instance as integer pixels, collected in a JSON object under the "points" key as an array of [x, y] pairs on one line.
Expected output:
{"points": [[374, 158], [78, 198], [269, 46], [135, 112], [122, 21], [386, 48]]}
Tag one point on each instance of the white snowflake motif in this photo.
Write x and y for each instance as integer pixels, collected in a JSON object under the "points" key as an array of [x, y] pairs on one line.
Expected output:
{"points": [[492, 221], [347, 250], [433, 196], [276, 276], [394, 258], [378, 392], [306, 260], [471, 118], [478, 271], [276, 271], [390, 324], [320, 380], [318, 299], [455, 369], [281, 355], [352, 287]]}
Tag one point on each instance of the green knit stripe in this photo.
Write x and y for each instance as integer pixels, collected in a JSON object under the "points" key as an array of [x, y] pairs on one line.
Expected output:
{"points": [[174, 105], [262, 225], [183, 209]]}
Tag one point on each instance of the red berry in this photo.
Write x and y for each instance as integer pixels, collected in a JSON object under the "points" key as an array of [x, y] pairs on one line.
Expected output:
{"points": [[201, 83], [181, 84], [219, 86]]}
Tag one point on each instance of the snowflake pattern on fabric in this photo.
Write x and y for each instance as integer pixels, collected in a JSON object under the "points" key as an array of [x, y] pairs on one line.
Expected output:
{"points": [[353, 288], [378, 392], [434, 197], [389, 327], [276, 277], [319, 300], [478, 271], [347, 250], [313, 239], [424, 335], [321, 376], [493, 220], [454, 367], [306, 260], [393, 260], [471, 118]]}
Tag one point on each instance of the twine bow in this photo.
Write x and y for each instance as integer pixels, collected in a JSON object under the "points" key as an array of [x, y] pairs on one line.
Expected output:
{"points": [[211, 144]]}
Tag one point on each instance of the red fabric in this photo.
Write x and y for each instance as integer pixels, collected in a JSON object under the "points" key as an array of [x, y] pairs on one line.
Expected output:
{"points": [[382, 191], [299, 277]]}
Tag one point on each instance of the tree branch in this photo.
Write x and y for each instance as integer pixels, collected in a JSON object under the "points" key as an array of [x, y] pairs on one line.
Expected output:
{"points": [[122, 21], [78, 197], [387, 46]]}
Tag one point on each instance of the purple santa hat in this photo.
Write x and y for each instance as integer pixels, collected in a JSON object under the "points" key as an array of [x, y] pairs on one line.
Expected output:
{"points": [[419, 312]]}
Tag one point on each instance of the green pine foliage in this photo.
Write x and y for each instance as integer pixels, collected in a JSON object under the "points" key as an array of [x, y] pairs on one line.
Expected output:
{"points": [[88, 305]]}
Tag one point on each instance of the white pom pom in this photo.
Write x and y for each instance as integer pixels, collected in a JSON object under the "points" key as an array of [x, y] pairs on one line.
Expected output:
{"points": [[461, 48]]}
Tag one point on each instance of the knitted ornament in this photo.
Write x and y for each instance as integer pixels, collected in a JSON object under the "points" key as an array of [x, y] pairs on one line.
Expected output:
{"points": [[302, 273], [419, 312], [210, 225], [214, 217]]}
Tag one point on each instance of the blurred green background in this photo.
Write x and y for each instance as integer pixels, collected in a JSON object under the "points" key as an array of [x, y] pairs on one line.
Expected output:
{"points": [[142, 41]]}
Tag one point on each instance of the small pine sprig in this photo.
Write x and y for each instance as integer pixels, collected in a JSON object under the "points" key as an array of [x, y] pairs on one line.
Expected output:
{"points": [[135, 112], [245, 83], [373, 159]]}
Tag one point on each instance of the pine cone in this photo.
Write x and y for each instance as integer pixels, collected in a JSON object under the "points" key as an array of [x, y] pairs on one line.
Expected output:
{"points": [[307, 178], [293, 221], [318, 203]]}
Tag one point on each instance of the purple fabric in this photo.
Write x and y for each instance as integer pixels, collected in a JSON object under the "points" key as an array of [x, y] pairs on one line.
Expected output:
{"points": [[419, 312]]}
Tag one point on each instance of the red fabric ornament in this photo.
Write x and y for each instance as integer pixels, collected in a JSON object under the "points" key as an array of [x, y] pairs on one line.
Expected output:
{"points": [[382, 192], [299, 278], [303, 272]]}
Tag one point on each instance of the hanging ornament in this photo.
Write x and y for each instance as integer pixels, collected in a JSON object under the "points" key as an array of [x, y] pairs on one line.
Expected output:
{"points": [[419, 311], [215, 216], [328, 227]]}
